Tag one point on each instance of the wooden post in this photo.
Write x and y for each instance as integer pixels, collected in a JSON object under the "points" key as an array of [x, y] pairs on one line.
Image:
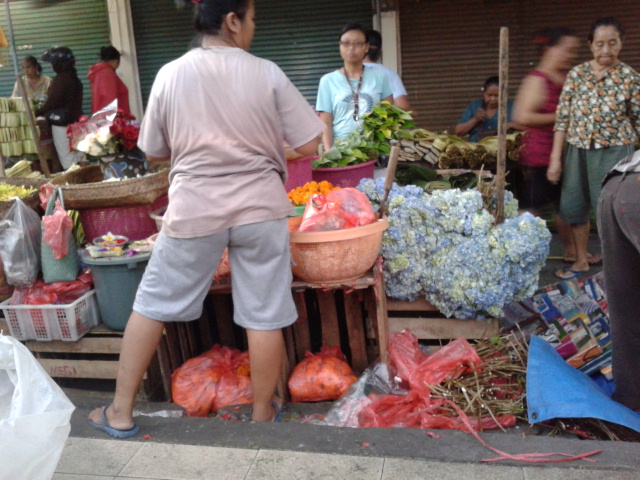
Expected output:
{"points": [[502, 123]]}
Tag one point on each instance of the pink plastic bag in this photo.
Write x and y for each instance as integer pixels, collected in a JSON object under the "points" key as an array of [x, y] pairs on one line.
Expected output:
{"points": [[339, 209], [57, 230]]}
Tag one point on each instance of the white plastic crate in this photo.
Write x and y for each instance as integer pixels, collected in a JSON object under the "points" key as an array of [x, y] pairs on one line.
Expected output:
{"points": [[52, 322]]}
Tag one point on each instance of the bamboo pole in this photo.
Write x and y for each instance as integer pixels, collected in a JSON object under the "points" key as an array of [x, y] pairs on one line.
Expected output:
{"points": [[502, 123], [23, 94]]}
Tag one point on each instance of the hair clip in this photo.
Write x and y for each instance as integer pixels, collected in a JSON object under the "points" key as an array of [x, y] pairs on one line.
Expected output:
{"points": [[541, 40]]}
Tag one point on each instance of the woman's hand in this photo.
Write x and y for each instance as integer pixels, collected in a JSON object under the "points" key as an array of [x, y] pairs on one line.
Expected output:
{"points": [[480, 115], [554, 172]]}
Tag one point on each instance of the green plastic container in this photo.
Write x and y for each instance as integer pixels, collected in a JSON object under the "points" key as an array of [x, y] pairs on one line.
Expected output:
{"points": [[116, 281]]}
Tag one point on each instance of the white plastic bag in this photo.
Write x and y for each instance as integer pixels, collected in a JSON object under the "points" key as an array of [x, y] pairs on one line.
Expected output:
{"points": [[34, 415], [20, 236]]}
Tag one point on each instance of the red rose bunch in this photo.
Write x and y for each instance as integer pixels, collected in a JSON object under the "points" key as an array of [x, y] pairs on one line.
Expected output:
{"points": [[125, 130]]}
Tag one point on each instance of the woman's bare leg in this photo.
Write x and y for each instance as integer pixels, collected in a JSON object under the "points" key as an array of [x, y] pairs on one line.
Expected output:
{"points": [[266, 353], [141, 339]]}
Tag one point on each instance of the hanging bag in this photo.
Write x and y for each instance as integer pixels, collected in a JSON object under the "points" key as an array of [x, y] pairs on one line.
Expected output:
{"points": [[56, 232]]}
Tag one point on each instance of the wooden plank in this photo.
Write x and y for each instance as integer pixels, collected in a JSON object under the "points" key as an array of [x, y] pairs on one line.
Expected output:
{"points": [[503, 71], [282, 389], [382, 319], [63, 368], [301, 335], [101, 329], [165, 367], [355, 329], [204, 329], [84, 345], [328, 318], [445, 328], [173, 345], [224, 319], [417, 306], [185, 348]]}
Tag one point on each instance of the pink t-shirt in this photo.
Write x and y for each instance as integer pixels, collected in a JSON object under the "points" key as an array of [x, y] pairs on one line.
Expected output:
{"points": [[223, 115], [538, 141]]}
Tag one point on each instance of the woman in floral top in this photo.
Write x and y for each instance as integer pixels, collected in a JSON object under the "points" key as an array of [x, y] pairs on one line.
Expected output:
{"points": [[599, 117]]}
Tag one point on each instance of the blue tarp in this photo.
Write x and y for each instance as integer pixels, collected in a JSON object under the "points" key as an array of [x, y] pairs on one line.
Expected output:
{"points": [[557, 390]]}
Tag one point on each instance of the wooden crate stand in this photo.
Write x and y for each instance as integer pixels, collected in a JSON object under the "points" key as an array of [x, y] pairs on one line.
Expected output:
{"points": [[427, 323], [95, 356]]}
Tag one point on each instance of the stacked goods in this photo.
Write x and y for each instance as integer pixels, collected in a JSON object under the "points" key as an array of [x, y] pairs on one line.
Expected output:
{"points": [[450, 151], [7, 191], [22, 169], [15, 134], [419, 144]]}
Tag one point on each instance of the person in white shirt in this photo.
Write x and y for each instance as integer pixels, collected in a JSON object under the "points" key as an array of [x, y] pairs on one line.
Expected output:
{"points": [[400, 97]]}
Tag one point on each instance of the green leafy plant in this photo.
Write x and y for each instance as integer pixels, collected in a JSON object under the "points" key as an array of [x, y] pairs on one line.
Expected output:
{"points": [[386, 122], [354, 149]]}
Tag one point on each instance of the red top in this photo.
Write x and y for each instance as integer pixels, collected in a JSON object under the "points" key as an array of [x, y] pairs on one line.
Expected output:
{"points": [[538, 141], [107, 86]]}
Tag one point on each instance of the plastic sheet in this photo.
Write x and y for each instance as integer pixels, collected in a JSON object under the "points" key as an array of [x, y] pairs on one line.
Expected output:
{"points": [[34, 415]]}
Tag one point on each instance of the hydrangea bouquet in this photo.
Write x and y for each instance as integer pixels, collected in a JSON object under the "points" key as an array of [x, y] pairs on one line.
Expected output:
{"points": [[445, 247]]}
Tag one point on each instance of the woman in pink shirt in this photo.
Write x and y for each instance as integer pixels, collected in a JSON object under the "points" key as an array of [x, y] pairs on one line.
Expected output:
{"points": [[106, 86], [535, 109]]}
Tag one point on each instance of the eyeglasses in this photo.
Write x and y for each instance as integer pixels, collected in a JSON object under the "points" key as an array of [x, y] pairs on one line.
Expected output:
{"points": [[352, 44]]}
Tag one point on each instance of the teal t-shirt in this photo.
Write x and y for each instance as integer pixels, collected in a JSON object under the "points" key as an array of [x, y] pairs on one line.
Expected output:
{"points": [[336, 97], [490, 125]]}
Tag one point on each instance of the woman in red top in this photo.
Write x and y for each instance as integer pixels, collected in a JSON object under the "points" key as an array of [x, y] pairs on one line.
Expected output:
{"points": [[535, 109], [106, 86]]}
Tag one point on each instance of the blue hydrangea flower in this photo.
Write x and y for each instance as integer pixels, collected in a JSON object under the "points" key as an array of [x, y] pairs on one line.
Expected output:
{"points": [[444, 247]]}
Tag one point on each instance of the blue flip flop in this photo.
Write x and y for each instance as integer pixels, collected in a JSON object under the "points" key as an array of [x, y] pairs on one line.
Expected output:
{"points": [[571, 273], [277, 408], [114, 432]]}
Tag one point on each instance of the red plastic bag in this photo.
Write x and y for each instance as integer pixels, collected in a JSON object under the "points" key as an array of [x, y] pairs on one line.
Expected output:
{"points": [[56, 293], [57, 230], [321, 377], [339, 209], [404, 353], [218, 378], [450, 361]]}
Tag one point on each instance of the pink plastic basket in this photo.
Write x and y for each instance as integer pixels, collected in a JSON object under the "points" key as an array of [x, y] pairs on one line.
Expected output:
{"points": [[345, 176], [133, 222], [299, 173]]}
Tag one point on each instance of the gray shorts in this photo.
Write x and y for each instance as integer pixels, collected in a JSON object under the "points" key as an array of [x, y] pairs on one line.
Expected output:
{"points": [[180, 271]]}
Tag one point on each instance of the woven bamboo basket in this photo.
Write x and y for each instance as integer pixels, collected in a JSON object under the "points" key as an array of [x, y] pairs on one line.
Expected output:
{"points": [[336, 256], [32, 200], [84, 188]]}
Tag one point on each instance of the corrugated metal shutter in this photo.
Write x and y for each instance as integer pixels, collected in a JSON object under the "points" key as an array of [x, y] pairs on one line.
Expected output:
{"points": [[301, 36], [449, 48], [81, 25]]}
